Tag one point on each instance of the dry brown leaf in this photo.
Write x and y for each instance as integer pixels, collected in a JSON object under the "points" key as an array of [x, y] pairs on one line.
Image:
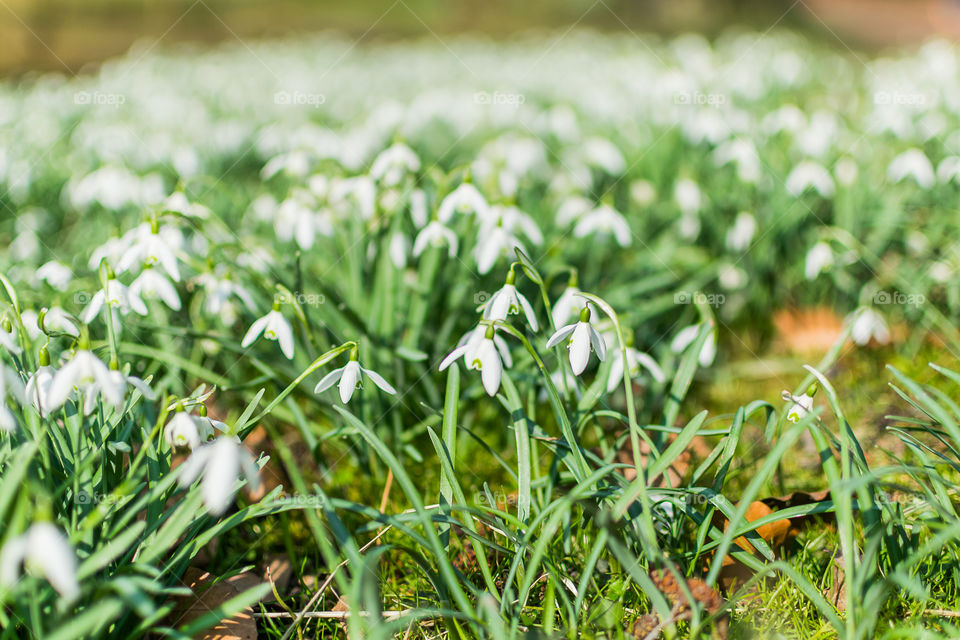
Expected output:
{"points": [[666, 582], [207, 596], [806, 331]]}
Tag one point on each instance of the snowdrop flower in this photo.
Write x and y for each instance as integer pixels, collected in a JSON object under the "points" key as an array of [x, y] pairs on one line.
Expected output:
{"points": [[351, 379], [296, 219], [111, 251], [221, 463], [606, 220], [869, 324], [912, 163], [643, 193], [220, 289], [949, 169], [393, 163], [90, 376], [687, 195], [802, 405], [464, 200], [819, 257], [569, 304], [686, 337], [45, 550], [508, 301], [183, 431], [153, 284], [38, 384], [602, 153], [56, 274], [178, 203], [273, 326], [846, 171], [635, 360], [434, 235], [741, 233], [418, 208], [117, 298], [492, 244], [581, 337], [295, 163], [54, 319], [10, 386], [8, 338], [743, 154], [481, 355], [573, 208], [151, 246], [122, 379], [809, 174], [398, 249], [354, 195]]}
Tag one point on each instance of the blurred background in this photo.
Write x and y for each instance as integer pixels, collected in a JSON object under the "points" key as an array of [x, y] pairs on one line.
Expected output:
{"points": [[68, 35]]}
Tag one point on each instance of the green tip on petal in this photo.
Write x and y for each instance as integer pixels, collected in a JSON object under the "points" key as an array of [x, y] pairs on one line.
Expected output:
{"points": [[585, 314], [6, 325], [812, 389], [43, 357], [490, 332], [203, 411]]}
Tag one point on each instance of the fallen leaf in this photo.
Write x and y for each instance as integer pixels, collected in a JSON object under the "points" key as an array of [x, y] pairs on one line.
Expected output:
{"points": [[806, 331], [209, 594]]}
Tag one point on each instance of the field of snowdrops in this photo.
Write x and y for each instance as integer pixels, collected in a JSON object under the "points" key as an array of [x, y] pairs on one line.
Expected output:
{"points": [[310, 340]]}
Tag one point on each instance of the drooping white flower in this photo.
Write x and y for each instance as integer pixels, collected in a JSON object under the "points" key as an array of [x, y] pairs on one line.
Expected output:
{"points": [[809, 174], [37, 391], [356, 195], [273, 326], [45, 550], [418, 207], [220, 288], [685, 338], [394, 163], [183, 430], [743, 154], [153, 284], [90, 376], [492, 244], [602, 153], [399, 247], [568, 305], [687, 195], [605, 220], [298, 218], [111, 251], [54, 319], [581, 338], [819, 257], [117, 297], [222, 463], [643, 193], [846, 171], [868, 325], [464, 200], [56, 274], [8, 338], [573, 208], [509, 301], [151, 246], [436, 234], [802, 405], [12, 387], [949, 169], [636, 361], [350, 377], [912, 163], [740, 235], [481, 353], [178, 202]]}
